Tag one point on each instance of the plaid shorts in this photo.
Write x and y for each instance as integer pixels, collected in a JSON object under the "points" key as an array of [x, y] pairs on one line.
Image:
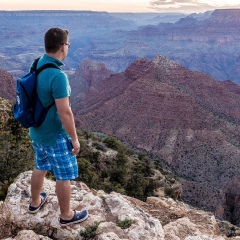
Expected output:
{"points": [[58, 159]]}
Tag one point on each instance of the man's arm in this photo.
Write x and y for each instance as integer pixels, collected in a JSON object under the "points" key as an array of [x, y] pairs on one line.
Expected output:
{"points": [[67, 119]]}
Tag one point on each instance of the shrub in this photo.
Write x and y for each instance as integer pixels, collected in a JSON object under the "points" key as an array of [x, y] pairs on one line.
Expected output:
{"points": [[125, 223], [112, 143], [100, 146], [169, 192], [90, 232], [86, 173]]}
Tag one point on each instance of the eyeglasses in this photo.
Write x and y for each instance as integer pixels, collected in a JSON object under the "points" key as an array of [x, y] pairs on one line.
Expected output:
{"points": [[68, 44]]}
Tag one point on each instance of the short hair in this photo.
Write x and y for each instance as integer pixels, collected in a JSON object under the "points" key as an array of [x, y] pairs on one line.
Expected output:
{"points": [[54, 38]]}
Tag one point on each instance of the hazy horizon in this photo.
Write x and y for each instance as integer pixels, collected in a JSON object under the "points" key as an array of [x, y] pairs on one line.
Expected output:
{"points": [[134, 6]]}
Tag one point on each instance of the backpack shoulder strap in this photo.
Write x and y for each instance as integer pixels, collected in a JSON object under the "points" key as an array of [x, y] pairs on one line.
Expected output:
{"points": [[47, 65], [34, 65]]}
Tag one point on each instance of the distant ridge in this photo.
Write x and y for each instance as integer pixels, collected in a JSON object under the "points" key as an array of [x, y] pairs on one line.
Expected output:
{"points": [[207, 42], [50, 12]]}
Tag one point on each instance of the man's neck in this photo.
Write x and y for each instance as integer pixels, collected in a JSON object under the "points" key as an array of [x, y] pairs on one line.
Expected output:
{"points": [[56, 55]]}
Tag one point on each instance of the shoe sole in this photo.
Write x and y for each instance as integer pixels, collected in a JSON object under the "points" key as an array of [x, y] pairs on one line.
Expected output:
{"points": [[78, 221]]}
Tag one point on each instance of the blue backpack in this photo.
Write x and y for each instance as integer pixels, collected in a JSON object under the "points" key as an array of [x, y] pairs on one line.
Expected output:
{"points": [[28, 109]]}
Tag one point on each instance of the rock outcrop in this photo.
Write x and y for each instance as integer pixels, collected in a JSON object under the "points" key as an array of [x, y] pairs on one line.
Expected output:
{"points": [[89, 73], [155, 219], [185, 118], [7, 85]]}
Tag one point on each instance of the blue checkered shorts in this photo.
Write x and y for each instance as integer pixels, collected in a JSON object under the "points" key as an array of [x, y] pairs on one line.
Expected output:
{"points": [[58, 159]]}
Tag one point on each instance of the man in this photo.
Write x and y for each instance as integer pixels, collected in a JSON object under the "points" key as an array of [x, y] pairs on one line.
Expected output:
{"points": [[55, 142]]}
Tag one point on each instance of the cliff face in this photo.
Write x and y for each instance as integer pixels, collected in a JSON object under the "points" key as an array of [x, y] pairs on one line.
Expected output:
{"points": [[88, 74], [186, 118], [210, 45], [7, 85], [155, 219], [220, 28], [225, 16]]}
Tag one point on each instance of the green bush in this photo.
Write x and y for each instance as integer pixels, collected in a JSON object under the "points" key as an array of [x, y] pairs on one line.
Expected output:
{"points": [[169, 192], [90, 232], [86, 173], [112, 143], [125, 223], [100, 146], [16, 151], [4, 188]]}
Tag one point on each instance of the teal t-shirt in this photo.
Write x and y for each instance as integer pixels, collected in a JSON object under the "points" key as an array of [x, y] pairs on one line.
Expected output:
{"points": [[52, 84]]}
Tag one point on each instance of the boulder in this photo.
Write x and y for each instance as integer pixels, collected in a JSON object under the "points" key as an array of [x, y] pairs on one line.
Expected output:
{"points": [[104, 208], [156, 219]]}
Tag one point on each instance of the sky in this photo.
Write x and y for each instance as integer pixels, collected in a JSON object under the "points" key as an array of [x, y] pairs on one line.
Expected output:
{"points": [[183, 6]]}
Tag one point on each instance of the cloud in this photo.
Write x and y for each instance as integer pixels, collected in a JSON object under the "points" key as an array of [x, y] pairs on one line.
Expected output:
{"points": [[186, 5], [172, 2]]}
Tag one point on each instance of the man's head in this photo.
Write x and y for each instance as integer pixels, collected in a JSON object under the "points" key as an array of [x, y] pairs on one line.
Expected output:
{"points": [[55, 39]]}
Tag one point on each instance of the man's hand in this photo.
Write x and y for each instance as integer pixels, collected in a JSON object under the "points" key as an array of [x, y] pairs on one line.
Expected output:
{"points": [[76, 147]]}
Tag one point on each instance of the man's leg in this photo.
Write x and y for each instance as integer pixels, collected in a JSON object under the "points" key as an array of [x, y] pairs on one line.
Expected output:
{"points": [[63, 191], [36, 186]]}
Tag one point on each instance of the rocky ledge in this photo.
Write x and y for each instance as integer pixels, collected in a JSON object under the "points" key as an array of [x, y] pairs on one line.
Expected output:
{"points": [[155, 219]]}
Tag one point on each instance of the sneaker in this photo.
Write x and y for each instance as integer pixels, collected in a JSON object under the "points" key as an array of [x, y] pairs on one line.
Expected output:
{"points": [[77, 218], [43, 197]]}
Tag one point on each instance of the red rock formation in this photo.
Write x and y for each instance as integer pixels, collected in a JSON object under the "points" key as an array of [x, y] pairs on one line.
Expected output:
{"points": [[89, 73], [186, 118], [93, 71], [7, 89]]}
